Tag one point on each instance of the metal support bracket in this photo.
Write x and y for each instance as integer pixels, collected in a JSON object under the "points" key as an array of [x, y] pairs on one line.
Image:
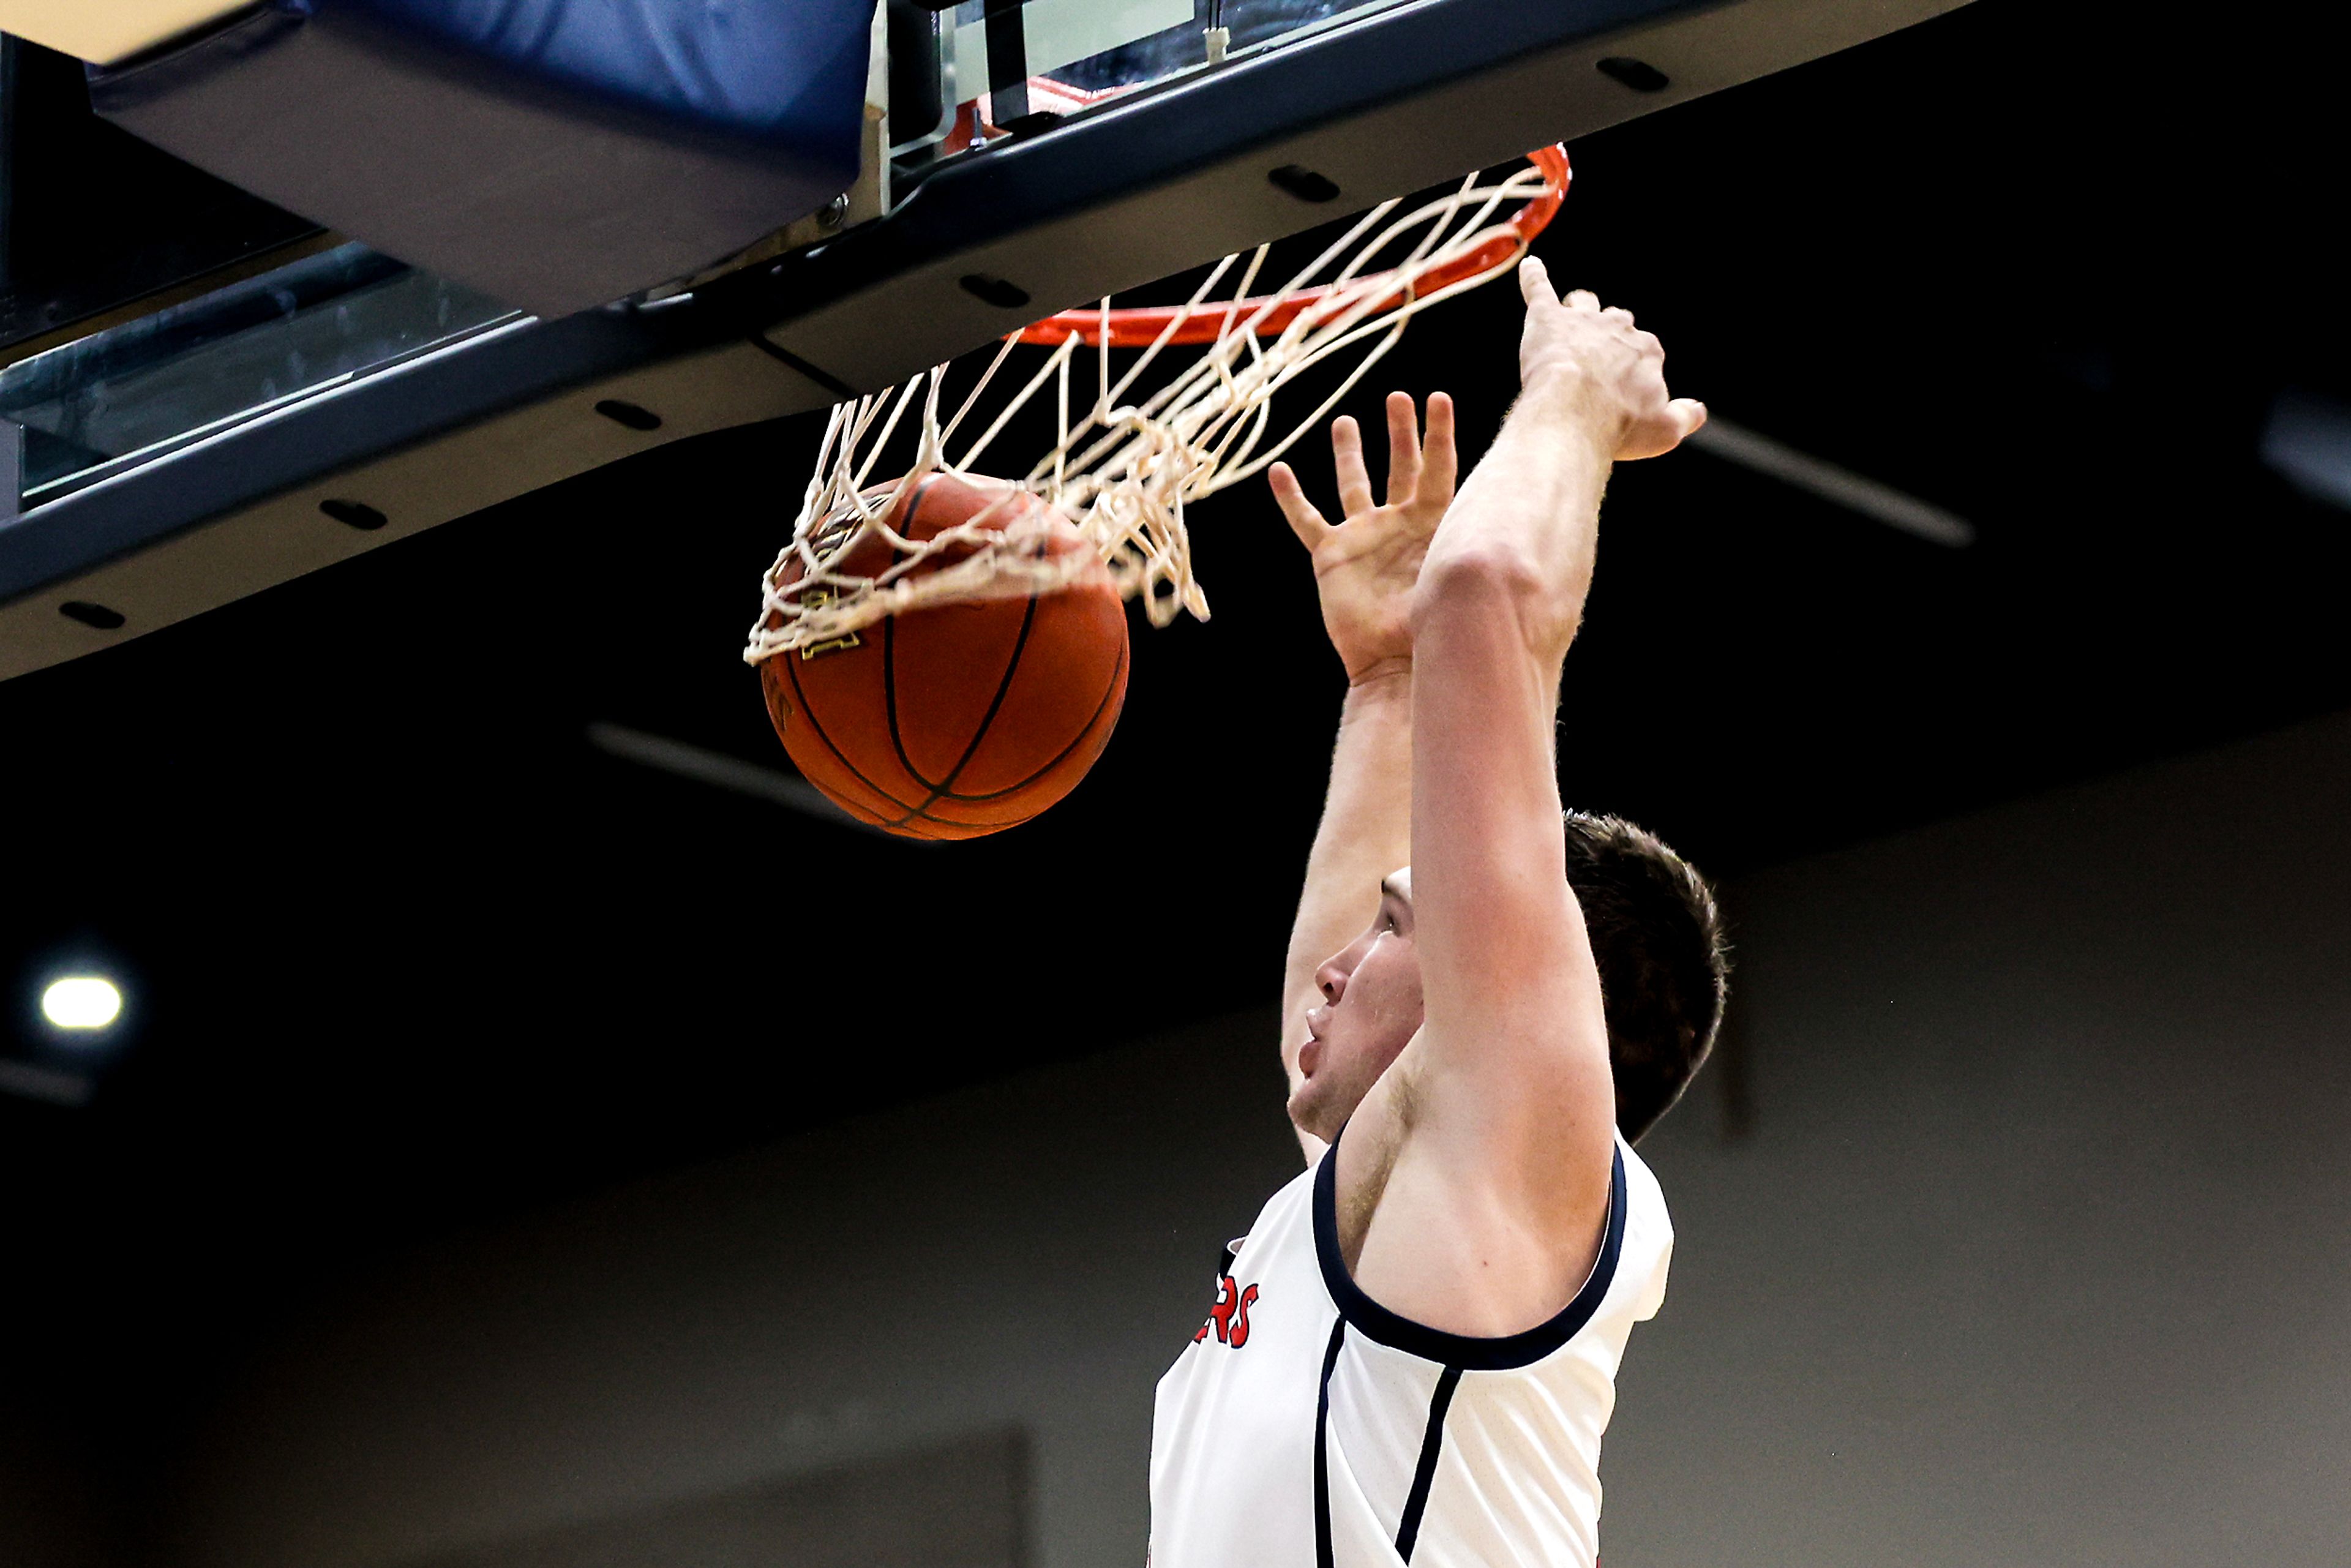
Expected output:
{"points": [[1008, 62], [12, 472]]}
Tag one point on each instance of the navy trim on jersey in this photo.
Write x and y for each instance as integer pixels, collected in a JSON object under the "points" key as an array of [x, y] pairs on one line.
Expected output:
{"points": [[1474, 1352], [1322, 1448], [1432, 1444]]}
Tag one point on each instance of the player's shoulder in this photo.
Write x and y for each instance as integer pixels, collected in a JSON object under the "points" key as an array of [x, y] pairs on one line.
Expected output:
{"points": [[1644, 1195], [1646, 1233]]}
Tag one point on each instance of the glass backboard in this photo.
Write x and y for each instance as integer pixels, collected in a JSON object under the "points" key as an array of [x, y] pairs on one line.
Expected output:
{"points": [[1000, 66]]}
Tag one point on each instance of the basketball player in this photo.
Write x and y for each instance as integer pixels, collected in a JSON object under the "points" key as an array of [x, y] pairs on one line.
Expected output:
{"points": [[1413, 1353]]}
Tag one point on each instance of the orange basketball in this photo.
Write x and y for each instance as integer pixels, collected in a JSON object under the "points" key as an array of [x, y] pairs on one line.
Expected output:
{"points": [[956, 720]]}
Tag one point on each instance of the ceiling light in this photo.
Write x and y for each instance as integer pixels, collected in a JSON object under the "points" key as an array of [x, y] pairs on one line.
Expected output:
{"points": [[1855, 492], [81, 1002]]}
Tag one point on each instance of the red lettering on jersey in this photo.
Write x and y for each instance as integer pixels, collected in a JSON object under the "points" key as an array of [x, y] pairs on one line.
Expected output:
{"points": [[1229, 1319], [1240, 1317]]}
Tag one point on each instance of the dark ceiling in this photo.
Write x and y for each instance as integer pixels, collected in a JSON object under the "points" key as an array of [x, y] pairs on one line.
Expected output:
{"points": [[408, 952]]}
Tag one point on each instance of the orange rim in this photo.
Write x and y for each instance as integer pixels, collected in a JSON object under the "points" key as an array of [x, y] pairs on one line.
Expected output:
{"points": [[1140, 325]]}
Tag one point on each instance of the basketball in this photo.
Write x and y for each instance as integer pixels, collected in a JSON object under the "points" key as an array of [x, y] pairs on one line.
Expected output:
{"points": [[957, 720]]}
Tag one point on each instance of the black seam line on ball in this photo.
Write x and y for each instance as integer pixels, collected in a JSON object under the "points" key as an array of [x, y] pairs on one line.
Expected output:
{"points": [[916, 817], [890, 710], [909, 521], [1116, 674], [1003, 686], [939, 791], [912, 520], [807, 711]]}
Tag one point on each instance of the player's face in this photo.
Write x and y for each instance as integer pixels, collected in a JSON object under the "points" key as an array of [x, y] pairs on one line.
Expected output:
{"points": [[1370, 1011]]}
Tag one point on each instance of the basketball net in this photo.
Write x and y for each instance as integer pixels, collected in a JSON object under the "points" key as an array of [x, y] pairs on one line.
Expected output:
{"points": [[1125, 471]]}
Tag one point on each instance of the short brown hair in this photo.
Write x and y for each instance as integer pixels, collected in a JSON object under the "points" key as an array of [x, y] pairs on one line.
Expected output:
{"points": [[1656, 937]]}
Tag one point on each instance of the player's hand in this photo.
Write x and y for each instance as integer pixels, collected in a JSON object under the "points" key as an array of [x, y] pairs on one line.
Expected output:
{"points": [[1364, 566], [1617, 372]]}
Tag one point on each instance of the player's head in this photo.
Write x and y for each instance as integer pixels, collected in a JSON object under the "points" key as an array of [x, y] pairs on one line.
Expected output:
{"points": [[1657, 939]]}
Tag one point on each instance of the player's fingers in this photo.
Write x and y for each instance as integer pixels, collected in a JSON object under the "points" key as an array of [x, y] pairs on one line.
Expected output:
{"points": [[1688, 416], [1290, 496], [1438, 464], [1404, 449], [1534, 282], [1581, 299], [1347, 457]]}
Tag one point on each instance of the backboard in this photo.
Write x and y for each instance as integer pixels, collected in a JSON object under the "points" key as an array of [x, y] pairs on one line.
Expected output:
{"points": [[260, 396]]}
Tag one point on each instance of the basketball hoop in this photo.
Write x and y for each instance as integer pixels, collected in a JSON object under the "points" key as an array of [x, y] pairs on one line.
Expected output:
{"points": [[1138, 327], [1125, 471]]}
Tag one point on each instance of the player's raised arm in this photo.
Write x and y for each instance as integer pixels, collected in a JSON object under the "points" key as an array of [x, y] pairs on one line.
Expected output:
{"points": [[1365, 569], [1513, 1079]]}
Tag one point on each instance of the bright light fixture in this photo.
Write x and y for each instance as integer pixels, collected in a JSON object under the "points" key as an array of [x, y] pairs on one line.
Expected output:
{"points": [[81, 1001]]}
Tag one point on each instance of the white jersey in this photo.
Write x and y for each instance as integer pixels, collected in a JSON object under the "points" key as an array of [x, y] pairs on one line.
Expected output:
{"points": [[1308, 1426]]}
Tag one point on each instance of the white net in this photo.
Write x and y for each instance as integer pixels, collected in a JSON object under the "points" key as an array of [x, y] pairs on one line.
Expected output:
{"points": [[1124, 472]]}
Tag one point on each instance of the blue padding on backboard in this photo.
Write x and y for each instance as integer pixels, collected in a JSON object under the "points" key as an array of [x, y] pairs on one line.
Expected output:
{"points": [[553, 154], [771, 69]]}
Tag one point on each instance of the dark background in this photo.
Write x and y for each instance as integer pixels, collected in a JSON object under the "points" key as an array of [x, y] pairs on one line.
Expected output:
{"points": [[406, 953]]}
